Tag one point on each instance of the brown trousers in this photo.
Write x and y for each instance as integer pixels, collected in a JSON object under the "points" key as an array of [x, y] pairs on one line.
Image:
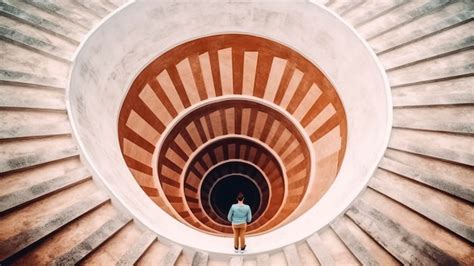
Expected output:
{"points": [[239, 234]]}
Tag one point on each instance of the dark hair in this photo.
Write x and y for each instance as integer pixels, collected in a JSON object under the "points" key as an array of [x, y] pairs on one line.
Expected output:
{"points": [[240, 196]]}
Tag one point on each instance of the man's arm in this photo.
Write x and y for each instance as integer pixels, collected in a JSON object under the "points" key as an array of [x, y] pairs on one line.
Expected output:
{"points": [[229, 216], [249, 216]]}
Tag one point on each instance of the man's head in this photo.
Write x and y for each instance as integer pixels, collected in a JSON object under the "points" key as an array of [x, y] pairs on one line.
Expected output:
{"points": [[240, 196]]}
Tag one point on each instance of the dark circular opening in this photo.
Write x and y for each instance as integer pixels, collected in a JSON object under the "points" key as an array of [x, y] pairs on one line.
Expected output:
{"points": [[225, 191]]}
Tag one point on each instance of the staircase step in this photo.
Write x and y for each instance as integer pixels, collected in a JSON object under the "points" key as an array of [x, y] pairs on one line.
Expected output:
{"points": [[306, 255], [341, 254], [171, 256], [16, 10], [236, 261], [320, 250], [31, 98], [38, 191], [409, 237], [154, 254], [343, 7], [292, 256], [138, 249], [67, 237], [443, 68], [29, 123], [21, 179], [449, 92], [278, 258], [117, 246], [451, 213], [94, 240], [454, 119], [33, 44], [400, 16], [451, 178], [451, 16], [200, 259], [28, 79], [367, 251], [43, 217], [97, 8], [20, 154], [438, 45], [371, 10], [65, 11], [444, 146], [263, 260]]}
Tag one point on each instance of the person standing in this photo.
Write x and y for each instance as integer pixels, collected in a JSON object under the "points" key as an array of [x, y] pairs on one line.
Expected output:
{"points": [[239, 215]]}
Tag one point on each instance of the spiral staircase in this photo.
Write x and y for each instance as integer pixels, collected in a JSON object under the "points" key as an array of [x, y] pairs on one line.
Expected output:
{"points": [[416, 209]]}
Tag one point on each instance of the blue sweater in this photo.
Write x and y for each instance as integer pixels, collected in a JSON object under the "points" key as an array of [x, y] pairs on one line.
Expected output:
{"points": [[239, 214]]}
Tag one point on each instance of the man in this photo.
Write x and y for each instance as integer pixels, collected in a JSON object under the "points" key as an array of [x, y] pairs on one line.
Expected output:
{"points": [[239, 215]]}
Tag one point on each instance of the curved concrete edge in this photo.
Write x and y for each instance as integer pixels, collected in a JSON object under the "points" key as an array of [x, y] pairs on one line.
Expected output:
{"points": [[218, 245]]}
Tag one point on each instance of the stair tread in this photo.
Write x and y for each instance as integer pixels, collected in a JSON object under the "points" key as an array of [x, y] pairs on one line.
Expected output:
{"points": [[33, 123], [431, 172], [138, 249], [20, 154], [15, 11], [171, 256], [292, 256], [31, 98], [34, 44], [93, 241], [43, 189], [22, 78], [44, 223], [318, 248]]}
